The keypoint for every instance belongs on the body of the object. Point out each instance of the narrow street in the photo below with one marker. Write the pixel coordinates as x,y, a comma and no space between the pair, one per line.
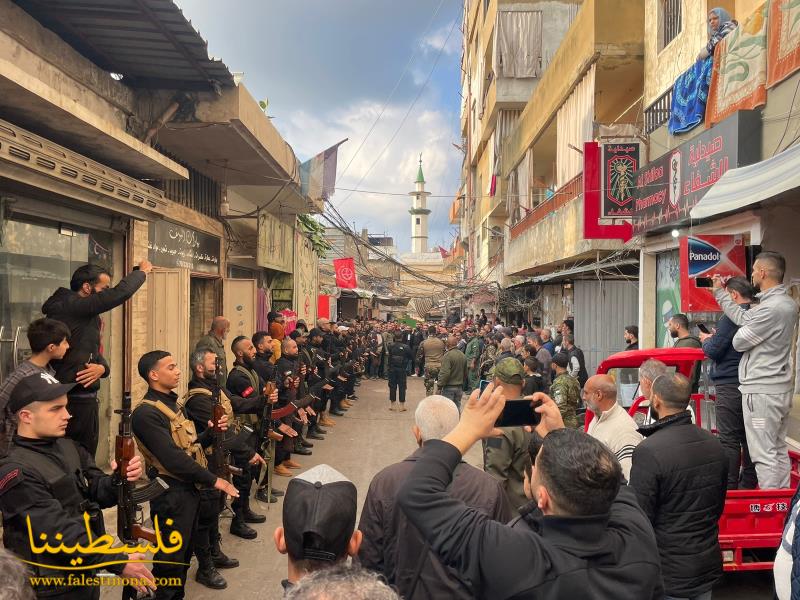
365,440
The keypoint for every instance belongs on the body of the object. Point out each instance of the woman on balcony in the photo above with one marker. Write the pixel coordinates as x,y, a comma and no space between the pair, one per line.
720,24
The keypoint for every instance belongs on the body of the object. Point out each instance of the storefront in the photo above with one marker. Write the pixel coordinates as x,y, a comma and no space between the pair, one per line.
58,211
184,293
668,188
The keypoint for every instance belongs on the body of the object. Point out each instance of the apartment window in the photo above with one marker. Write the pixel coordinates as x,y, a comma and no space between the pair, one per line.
669,16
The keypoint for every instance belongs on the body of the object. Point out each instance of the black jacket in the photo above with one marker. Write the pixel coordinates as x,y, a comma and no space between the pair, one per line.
595,557
582,375
151,427
393,547
399,355
680,476
719,348
82,316
25,492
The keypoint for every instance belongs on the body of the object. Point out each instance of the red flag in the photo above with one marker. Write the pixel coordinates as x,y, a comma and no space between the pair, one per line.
345,272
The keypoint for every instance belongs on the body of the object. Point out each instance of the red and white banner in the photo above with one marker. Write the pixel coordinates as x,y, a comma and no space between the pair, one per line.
345,269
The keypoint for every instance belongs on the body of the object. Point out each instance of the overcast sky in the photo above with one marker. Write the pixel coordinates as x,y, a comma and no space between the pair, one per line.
327,68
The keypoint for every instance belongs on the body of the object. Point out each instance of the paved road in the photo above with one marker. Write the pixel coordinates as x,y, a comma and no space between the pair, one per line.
365,440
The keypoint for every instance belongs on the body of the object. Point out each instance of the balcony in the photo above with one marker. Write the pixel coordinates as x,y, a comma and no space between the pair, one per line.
552,234
605,33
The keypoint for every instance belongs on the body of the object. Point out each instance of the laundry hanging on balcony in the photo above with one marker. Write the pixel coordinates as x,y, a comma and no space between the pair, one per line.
689,97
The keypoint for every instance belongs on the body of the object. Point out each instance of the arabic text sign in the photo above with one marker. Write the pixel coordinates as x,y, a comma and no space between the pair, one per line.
669,187
173,245
102,545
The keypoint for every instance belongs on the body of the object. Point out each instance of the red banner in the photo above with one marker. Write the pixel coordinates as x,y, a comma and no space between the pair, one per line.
703,256
592,228
345,272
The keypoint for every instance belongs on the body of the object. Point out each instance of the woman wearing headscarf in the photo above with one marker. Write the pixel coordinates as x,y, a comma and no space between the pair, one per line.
720,24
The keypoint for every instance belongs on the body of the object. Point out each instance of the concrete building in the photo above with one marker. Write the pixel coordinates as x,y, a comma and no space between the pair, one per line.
507,47
748,180
109,157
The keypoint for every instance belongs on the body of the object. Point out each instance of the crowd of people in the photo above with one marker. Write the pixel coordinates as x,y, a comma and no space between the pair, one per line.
588,503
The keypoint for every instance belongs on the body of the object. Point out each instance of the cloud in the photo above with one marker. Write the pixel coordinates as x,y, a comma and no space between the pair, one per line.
428,129
434,41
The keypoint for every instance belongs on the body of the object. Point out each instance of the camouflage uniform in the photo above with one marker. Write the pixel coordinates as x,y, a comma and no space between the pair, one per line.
566,393
472,353
431,376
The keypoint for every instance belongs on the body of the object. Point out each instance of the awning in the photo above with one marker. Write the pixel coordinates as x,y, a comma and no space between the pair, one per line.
584,269
150,42
357,293
746,186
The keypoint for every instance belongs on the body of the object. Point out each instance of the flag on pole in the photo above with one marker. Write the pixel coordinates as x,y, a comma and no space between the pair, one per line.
345,269
318,175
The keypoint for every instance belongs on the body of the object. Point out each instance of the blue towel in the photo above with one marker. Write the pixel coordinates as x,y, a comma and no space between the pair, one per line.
689,96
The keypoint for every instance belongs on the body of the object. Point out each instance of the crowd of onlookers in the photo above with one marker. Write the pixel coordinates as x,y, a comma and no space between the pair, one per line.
596,506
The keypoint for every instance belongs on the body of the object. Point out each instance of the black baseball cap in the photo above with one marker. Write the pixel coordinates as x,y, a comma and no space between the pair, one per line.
316,332
319,514
41,387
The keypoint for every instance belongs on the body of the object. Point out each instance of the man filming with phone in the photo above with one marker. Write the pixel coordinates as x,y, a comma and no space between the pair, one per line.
591,541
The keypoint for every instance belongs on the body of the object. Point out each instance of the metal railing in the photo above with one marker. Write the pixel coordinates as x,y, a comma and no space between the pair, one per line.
657,113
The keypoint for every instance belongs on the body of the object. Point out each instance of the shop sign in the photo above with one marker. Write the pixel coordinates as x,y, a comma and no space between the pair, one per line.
669,187
171,245
620,162
703,256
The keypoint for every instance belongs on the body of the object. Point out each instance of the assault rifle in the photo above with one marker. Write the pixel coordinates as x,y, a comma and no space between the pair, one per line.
220,460
130,528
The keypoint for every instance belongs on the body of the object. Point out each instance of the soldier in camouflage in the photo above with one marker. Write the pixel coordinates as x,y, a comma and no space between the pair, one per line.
565,390
431,351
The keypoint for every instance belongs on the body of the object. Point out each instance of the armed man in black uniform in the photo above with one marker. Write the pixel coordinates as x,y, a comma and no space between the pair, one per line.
244,381
172,450
399,355
262,363
47,484
290,374
199,406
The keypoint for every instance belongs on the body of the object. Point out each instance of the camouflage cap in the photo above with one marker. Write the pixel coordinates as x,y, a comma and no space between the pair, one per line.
509,370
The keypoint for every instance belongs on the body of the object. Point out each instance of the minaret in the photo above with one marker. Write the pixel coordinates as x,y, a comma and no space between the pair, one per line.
419,214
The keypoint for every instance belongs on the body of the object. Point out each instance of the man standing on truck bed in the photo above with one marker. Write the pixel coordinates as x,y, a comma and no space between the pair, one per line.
766,377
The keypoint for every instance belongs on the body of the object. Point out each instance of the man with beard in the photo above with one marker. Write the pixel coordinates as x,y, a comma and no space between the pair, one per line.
632,337
323,367
79,308
215,340
199,406
262,364
678,327
306,362
243,381
766,374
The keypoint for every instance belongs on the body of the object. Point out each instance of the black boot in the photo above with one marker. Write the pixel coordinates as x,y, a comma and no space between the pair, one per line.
208,575
240,529
222,560
313,435
305,443
252,517
299,449
261,495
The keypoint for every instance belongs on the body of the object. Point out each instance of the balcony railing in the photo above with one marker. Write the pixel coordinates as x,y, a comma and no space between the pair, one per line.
567,192
657,113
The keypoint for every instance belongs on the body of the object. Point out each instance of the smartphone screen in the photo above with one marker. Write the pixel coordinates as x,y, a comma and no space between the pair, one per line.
704,282
518,412
702,327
